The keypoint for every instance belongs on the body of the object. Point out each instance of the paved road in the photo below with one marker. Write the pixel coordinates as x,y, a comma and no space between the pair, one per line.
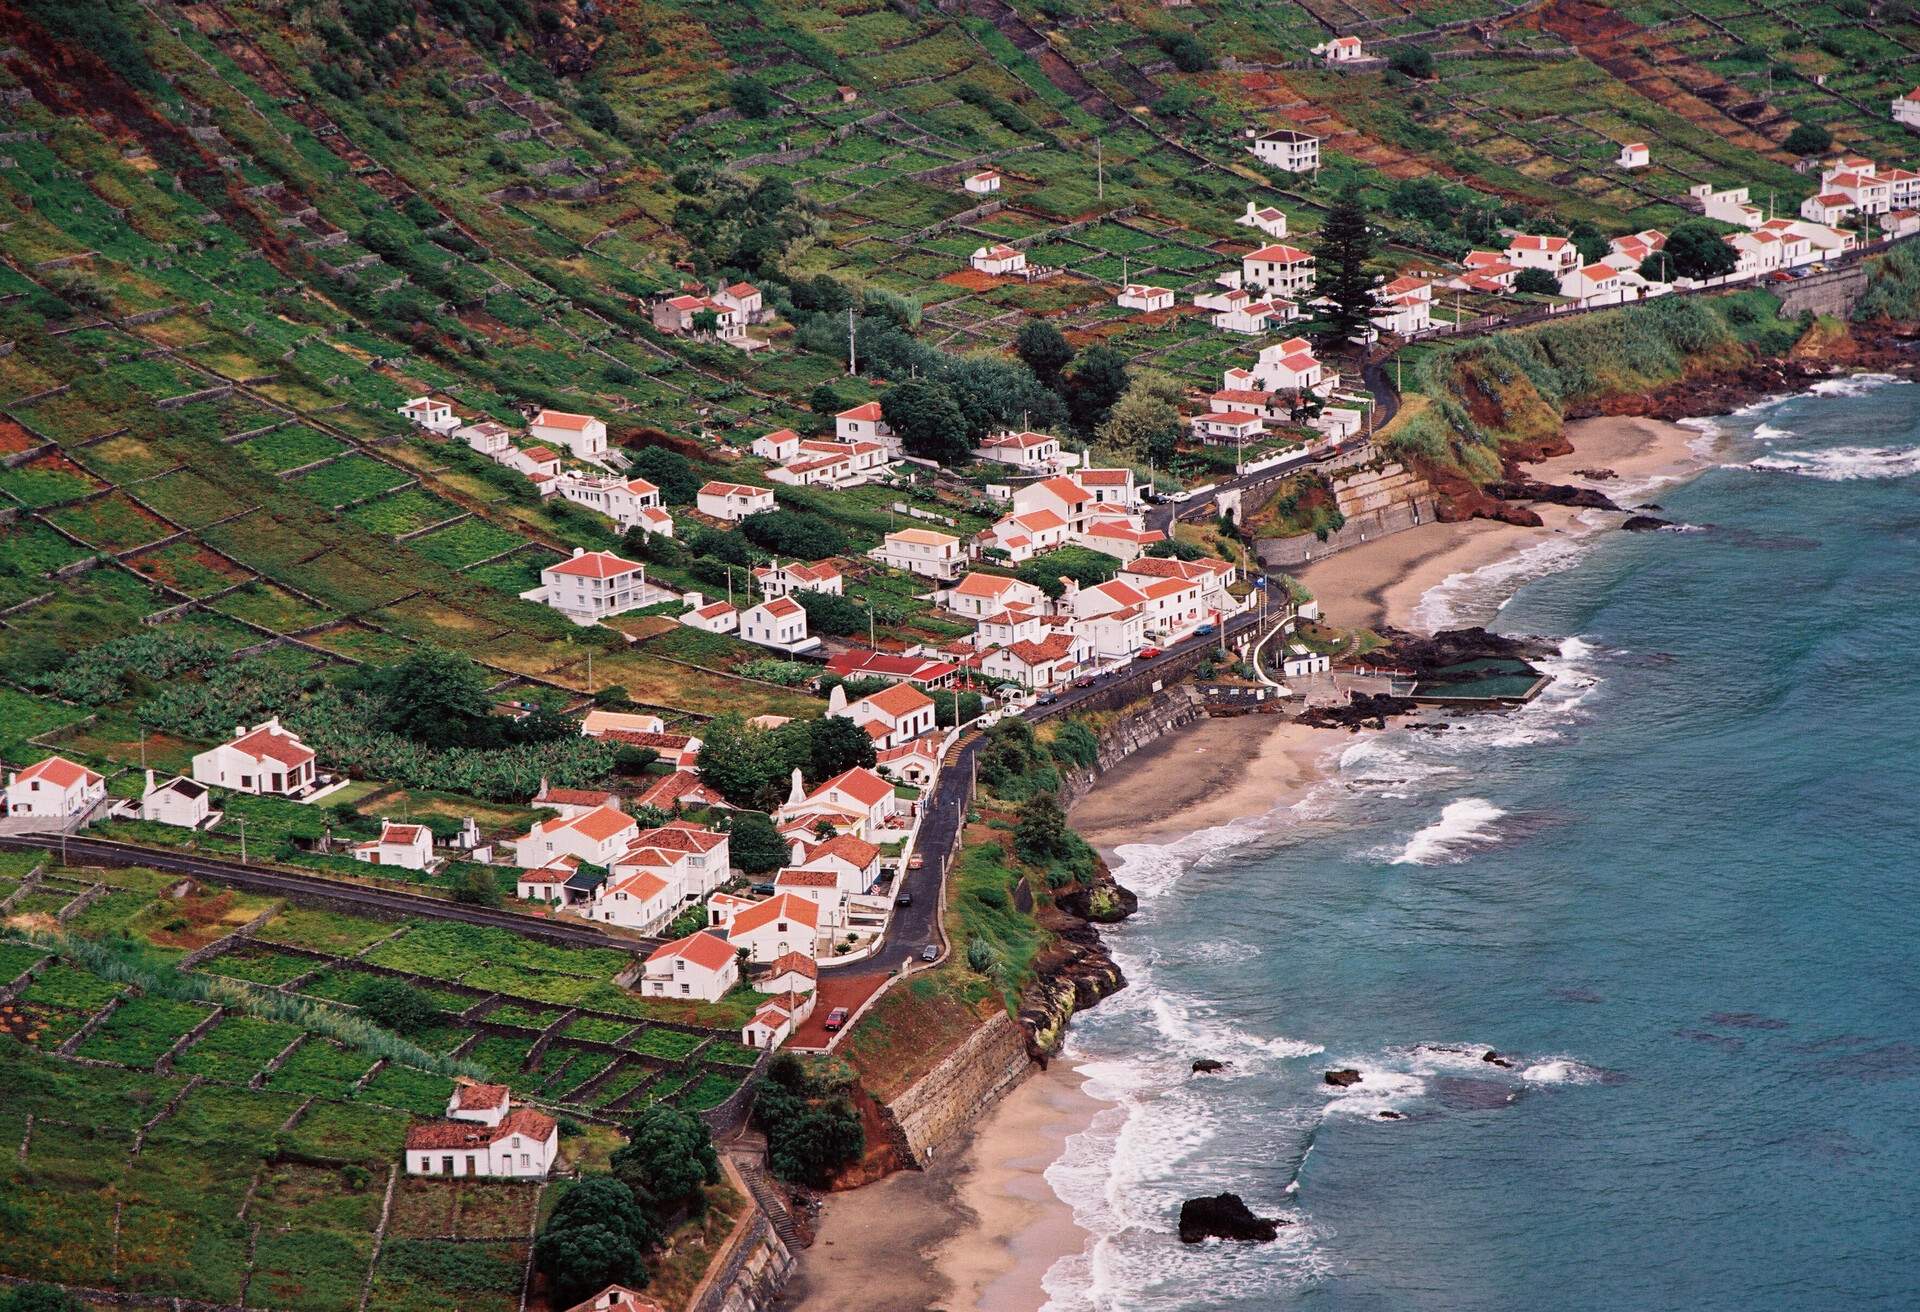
377,901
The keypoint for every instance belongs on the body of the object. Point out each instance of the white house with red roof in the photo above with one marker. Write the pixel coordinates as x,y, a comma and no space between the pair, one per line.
733,501
571,802
1211,576
1116,635
1229,426
983,183
999,259
780,624
776,1019
712,616
913,762
583,435
865,422
820,463
1405,306
595,837
1060,494
865,799
1119,535
484,1135
407,846
793,973
1795,249
681,314
896,714
1628,253
1760,253
779,580
1242,312
1557,255
1633,155
819,887
702,967
265,759
921,671
1050,662
1340,50
1727,204
979,595
618,1298
781,445
682,788
540,463
1280,268
548,883
1828,207
772,929
488,437
1906,110
1859,180
1593,284
600,722
1022,537
1033,452
1267,218
626,501
641,897
1144,296
591,586
430,413
853,863
745,300
54,789
1486,272
1288,366
923,551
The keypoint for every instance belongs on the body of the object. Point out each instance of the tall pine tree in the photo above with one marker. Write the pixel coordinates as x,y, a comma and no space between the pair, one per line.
1340,267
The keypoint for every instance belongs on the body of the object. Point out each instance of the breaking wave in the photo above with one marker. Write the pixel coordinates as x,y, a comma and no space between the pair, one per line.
1465,823
1842,464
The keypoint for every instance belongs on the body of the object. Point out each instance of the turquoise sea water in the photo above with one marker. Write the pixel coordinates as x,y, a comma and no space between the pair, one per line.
1679,892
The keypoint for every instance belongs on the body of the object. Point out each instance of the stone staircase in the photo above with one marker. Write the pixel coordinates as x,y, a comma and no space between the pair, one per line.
747,1157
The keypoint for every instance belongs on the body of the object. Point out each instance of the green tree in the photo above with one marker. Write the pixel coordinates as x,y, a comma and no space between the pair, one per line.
1411,61
1044,349
750,98
1099,379
396,1004
39,1298
1695,250
667,1159
832,615
1808,139
1340,267
735,763
581,1260
754,844
1536,282
835,745
1589,241
599,1199
1041,834
794,533
474,887
952,708
1186,52
667,470
434,698
1145,422
928,421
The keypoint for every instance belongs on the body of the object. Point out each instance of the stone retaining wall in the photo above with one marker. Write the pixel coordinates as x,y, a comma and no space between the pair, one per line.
966,1083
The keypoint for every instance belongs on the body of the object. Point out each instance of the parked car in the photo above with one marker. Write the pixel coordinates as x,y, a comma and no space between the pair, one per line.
1048,698
1149,653
836,1018
917,860
1204,631
906,899
930,953
763,890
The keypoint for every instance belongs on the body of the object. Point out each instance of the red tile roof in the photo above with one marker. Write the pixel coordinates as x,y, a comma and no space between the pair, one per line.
265,744
469,1134
62,773
562,419
596,565
469,1096
704,949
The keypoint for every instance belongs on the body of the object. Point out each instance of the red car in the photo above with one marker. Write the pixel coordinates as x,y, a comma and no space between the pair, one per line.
1149,653
836,1018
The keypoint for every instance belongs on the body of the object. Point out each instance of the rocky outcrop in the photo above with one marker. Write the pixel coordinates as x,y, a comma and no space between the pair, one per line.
1225,1216
1207,1066
1105,901
1645,523
1366,710
1342,1079
1556,494
1425,653
1073,972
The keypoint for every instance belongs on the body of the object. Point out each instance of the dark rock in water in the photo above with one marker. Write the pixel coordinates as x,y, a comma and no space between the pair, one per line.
1493,1058
1650,505
1558,494
1392,1116
1726,1041
1365,711
1342,1079
1747,1020
1207,1065
1644,523
1224,1216
1597,475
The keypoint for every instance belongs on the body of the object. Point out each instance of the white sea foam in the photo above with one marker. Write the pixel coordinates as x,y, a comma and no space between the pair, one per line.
1769,433
1474,596
1843,464
1852,385
1379,1090
1560,1070
1465,822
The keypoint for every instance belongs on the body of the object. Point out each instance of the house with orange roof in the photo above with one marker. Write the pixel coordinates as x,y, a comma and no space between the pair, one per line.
1144,296
793,973
1267,218
914,762
779,580
896,714
641,893
407,846
701,967
780,446
618,1298
1056,660
978,595
1593,284
861,798
712,616
626,501
1060,494
1031,452
540,463
998,259
484,1135
1280,268
54,789
1340,50
769,930
598,723
1115,635
1024,536
1404,306
1557,255
819,887
1228,426
1118,536
746,301
570,802
852,863
591,586
777,1018
733,501
923,551
780,624
683,788
865,422
1633,155
430,413
266,759
1289,366
595,837
583,435
983,183
548,883
489,437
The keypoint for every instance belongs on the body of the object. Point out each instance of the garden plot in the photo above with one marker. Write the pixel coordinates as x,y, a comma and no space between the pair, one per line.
402,512
47,480
292,447
189,567
352,478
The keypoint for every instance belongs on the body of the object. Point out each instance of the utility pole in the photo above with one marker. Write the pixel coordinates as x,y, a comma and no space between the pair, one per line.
243,839
589,671
852,359
1100,168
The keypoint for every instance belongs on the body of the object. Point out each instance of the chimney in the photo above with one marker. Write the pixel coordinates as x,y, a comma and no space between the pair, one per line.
149,787
837,700
579,551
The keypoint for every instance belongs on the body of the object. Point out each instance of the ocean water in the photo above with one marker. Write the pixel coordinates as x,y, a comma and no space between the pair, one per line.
1678,893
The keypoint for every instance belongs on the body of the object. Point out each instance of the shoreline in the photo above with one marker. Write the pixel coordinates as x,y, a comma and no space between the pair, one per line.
986,1216
1382,582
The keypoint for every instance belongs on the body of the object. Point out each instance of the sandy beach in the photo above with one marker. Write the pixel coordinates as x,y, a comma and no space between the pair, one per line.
1381,582
1211,773
975,1232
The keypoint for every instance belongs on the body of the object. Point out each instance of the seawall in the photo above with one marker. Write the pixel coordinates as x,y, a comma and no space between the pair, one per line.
966,1083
